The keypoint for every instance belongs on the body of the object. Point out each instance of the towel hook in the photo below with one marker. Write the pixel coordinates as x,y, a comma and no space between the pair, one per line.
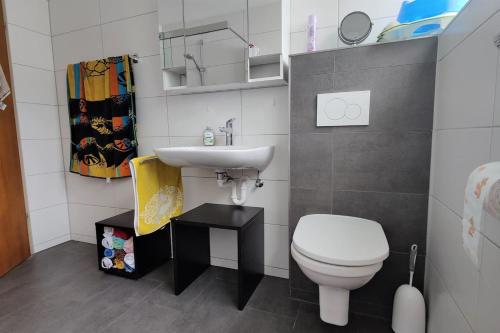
134,57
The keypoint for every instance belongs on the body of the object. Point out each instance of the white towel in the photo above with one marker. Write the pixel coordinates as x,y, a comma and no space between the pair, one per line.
482,193
4,89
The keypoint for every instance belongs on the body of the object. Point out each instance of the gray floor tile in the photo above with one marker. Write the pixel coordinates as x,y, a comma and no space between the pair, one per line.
308,321
61,290
253,320
272,295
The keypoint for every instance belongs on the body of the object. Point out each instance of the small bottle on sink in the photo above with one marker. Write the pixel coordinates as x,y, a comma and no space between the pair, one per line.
208,137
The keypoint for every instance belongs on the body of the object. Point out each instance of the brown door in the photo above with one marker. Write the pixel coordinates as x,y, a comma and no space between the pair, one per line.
14,241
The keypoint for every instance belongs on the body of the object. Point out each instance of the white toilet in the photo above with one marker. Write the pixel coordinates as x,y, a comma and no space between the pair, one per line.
339,253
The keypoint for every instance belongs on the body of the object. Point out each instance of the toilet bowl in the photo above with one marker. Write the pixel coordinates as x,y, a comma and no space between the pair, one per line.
340,254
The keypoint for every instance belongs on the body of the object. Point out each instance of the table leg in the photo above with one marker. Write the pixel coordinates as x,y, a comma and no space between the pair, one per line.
250,259
191,254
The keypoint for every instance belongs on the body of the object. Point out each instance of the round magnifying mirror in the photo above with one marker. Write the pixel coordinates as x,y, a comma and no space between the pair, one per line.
355,28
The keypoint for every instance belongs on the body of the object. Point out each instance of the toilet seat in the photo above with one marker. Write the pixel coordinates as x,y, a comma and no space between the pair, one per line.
340,240
334,270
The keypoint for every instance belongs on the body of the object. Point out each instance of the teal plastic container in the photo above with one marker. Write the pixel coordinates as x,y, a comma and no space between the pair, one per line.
415,10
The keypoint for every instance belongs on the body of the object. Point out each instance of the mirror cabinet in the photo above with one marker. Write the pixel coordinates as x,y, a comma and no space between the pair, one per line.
210,45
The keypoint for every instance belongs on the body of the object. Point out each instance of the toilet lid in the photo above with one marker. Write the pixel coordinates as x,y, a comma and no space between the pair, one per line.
341,240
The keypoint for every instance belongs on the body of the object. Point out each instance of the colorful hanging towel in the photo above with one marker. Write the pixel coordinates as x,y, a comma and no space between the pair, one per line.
101,102
482,194
158,194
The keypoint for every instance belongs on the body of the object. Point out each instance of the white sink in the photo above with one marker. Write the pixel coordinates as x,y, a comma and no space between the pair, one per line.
217,157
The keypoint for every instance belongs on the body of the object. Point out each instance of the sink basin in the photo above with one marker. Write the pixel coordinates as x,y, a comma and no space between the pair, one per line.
217,157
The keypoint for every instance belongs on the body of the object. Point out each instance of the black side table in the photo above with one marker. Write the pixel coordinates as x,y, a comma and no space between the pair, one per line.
191,243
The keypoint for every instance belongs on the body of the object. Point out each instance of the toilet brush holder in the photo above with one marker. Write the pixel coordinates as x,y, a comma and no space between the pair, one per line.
408,314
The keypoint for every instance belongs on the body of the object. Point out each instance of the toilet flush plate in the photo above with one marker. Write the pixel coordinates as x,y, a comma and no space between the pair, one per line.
343,109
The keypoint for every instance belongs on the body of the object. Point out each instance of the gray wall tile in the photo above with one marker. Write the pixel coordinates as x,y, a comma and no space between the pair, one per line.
402,97
303,102
311,64
380,171
386,55
306,202
382,161
403,216
313,153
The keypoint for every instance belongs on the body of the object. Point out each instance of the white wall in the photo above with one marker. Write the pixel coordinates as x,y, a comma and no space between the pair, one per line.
462,297
330,13
38,121
90,29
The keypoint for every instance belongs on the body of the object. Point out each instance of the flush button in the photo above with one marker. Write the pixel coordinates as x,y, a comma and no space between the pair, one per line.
343,109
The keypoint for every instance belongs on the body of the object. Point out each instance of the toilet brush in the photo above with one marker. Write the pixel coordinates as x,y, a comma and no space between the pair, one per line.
408,313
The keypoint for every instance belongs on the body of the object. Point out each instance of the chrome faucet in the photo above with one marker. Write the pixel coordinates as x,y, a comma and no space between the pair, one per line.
229,131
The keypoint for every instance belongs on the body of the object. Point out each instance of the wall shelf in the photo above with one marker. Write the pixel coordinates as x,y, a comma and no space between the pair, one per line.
268,82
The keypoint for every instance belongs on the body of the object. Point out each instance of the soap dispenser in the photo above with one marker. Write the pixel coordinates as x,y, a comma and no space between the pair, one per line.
208,137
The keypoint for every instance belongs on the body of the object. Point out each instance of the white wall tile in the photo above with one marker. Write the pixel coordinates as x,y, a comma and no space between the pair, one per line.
446,252
266,17
265,111
279,167
84,217
49,223
327,38
374,9
89,191
70,15
325,10
42,156
444,315
30,48
276,272
77,46
62,88
226,263
276,246
37,121
123,193
495,145
138,34
45,190
148,77
112,10
66,149
496,118
34,85
147,144
198,191
273,196
223,244
31,14
456,154
489,292
64,121
152,117
469,75
189,115
472,16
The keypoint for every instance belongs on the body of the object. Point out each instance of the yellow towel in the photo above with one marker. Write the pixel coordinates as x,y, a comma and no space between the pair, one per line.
157,192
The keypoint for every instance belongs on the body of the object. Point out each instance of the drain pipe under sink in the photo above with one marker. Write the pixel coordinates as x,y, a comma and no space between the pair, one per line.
243,192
